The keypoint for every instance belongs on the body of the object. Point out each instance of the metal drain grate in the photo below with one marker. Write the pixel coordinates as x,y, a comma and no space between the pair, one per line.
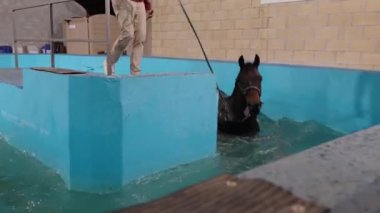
230,194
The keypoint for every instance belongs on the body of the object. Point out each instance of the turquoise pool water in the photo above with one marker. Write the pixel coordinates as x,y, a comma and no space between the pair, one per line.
311,97
28,186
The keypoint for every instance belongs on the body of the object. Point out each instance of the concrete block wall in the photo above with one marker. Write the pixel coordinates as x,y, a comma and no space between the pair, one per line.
337,33
34,23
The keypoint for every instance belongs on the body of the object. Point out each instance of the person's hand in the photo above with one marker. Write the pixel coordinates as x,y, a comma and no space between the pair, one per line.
149,14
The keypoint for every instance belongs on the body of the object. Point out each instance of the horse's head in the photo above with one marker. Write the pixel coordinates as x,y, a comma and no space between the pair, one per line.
248,82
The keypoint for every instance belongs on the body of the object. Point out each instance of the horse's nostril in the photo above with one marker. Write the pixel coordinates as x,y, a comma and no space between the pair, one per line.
254,104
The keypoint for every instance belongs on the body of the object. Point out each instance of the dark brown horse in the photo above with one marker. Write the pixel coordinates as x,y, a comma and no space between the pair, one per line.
238,112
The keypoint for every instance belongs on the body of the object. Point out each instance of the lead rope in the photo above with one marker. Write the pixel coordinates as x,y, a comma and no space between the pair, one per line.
204,53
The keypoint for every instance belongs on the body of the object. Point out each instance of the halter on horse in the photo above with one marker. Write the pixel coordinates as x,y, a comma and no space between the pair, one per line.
238,112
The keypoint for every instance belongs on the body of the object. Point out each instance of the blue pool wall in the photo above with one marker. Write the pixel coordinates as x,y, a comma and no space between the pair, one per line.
343,99
101,132
36,119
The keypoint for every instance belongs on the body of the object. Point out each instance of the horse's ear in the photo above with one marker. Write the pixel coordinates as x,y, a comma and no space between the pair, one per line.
241,61
256,63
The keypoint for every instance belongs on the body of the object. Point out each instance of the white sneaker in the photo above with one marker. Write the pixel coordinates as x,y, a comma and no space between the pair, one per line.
105,68
134,70
135,73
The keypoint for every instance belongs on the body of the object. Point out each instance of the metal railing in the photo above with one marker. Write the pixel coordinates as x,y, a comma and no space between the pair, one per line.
16,40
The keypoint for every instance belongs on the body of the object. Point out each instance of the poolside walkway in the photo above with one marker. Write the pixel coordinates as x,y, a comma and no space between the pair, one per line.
343,174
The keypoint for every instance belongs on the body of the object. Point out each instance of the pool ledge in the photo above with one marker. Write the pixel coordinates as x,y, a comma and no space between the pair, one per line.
99,133
343,174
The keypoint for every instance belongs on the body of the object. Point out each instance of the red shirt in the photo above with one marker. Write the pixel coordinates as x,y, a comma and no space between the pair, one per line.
148,5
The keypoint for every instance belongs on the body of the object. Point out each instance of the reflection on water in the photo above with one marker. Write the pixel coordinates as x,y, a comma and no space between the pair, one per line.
28,186
277,139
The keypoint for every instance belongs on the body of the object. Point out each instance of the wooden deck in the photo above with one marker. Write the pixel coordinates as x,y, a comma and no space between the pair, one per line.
230,194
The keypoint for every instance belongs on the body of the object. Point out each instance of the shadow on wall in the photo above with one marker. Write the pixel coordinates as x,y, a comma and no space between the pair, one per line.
367,93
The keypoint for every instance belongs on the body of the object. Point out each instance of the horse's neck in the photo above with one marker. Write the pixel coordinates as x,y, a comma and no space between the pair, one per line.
237,102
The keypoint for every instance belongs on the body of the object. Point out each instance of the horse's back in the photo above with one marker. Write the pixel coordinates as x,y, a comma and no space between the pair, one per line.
222,96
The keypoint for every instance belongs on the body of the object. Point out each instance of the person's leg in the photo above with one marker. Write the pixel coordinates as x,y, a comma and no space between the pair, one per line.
124,10
140,35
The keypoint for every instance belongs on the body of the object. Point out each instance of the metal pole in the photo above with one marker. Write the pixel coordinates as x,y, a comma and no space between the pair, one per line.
15,39
108,36
52,59
203,51
41,5
196,35
59,39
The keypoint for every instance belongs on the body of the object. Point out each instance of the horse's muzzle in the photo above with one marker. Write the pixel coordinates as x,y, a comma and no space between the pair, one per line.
255,109
253,97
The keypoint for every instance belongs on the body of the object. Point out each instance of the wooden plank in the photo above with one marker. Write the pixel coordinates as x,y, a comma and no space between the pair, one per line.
227,193
57,70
